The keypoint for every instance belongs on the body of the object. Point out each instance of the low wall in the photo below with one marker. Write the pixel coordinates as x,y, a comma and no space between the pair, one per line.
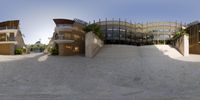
92,44
182,45
7,49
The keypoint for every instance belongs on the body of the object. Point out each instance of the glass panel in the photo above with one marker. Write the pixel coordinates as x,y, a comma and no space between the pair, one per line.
12,37
199,35
199,32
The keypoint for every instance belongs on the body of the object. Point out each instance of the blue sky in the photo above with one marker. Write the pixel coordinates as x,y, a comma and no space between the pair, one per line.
36,15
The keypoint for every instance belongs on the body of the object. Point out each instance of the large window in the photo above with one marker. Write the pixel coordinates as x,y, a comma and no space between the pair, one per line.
199,35
68,36
12,37
109,34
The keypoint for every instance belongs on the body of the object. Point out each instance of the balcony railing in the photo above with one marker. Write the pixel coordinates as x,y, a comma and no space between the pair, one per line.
8,27
63,27
63,39
4,38
59,37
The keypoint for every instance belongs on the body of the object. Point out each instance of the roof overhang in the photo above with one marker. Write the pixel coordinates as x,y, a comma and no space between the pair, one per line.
9,23
63,21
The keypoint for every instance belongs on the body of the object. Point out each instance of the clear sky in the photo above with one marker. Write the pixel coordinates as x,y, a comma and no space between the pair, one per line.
36,15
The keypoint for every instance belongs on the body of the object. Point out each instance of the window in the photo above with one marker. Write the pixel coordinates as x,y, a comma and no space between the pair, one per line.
2,36
76,37
199,35
76,49
68,47
56,36
60,37
67,36
12,37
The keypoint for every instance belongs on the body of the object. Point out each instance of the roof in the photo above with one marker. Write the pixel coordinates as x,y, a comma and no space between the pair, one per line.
63,21
193,23
10,23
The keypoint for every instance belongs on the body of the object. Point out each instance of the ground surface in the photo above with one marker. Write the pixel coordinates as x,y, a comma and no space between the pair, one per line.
116,73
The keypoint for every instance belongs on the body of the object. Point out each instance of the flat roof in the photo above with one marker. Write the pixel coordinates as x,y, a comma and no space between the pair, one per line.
10,23
63,21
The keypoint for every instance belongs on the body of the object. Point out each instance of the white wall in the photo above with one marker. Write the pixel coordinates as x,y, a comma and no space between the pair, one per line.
92,44
182,45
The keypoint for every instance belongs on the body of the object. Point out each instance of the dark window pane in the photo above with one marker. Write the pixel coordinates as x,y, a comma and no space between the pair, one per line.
12,37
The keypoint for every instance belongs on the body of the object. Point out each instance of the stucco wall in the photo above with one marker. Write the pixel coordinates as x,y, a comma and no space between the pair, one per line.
182,45
20,41
92,44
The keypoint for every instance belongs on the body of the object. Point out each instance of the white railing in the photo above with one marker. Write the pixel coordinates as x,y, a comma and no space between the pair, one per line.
59,37
8,27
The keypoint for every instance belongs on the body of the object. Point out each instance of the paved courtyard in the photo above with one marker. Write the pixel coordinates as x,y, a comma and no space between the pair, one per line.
118,72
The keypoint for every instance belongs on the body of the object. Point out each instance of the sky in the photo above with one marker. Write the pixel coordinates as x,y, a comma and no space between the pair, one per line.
36,15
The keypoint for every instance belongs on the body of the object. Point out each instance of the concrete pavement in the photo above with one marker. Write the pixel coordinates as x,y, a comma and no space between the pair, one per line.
118,72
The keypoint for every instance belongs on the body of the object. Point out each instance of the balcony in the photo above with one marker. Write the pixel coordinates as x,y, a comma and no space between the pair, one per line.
59,37
62,39
5,38
63,27
8,27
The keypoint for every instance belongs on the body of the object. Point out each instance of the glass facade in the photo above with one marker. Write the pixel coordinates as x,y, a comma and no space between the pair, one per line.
117,31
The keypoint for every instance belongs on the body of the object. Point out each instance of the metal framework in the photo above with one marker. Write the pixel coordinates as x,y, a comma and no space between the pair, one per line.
123,32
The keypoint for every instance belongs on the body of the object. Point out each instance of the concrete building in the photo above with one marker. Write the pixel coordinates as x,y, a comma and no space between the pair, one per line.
10,37
69,37
193,30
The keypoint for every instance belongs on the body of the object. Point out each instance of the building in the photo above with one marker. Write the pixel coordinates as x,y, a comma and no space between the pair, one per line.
10,37
193,30
69,37
123,32
38,47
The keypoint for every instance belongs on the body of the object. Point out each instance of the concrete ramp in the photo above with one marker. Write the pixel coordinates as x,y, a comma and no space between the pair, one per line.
138,51
152,68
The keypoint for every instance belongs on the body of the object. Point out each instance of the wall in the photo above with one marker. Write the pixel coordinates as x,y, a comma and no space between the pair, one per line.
182,45
19,39
194,38
92,44
7,49
195,49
